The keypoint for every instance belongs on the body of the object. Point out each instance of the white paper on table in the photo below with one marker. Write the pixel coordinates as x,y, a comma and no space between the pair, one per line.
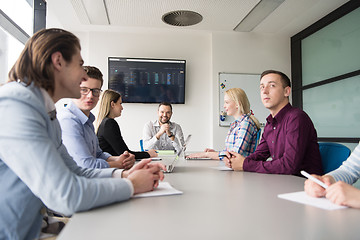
163,189
302,197
223,168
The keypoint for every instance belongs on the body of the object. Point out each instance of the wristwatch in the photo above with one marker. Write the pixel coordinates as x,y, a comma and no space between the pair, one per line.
171,135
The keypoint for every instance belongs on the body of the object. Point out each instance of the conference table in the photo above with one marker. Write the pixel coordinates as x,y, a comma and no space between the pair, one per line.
216,205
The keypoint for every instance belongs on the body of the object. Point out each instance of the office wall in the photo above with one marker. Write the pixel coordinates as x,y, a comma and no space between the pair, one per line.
194,115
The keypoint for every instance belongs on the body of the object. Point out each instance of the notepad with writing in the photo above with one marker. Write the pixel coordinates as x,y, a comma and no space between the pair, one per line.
163,189
302,197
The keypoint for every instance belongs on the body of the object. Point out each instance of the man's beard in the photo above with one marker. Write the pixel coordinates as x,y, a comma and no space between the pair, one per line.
167,121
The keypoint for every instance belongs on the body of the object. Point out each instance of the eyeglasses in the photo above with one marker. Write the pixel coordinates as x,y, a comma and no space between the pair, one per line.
95,91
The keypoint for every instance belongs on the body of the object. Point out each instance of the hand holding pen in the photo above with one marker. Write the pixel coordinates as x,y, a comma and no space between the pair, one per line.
225,157
316,185
339,192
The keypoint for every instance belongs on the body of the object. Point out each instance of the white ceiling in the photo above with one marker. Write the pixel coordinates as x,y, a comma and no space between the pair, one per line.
289,18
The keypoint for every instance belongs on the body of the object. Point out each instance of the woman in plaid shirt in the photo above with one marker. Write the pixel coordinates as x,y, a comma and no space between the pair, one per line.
241,137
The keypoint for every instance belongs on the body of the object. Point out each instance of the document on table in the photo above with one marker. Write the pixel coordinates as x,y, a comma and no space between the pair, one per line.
222,167
163,189
302,197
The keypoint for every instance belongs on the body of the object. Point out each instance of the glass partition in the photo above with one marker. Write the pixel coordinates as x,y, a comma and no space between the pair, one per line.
333,50
326,73
335,108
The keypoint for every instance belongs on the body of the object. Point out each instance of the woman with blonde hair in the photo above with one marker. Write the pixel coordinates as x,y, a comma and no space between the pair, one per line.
241,137
108,131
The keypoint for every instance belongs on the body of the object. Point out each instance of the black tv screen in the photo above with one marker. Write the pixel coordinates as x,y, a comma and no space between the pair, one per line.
144,80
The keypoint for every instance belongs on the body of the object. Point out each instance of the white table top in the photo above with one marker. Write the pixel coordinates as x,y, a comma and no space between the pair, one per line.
216,205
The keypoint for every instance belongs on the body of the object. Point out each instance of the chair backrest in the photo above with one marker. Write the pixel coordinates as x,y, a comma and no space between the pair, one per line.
258,135
333,155
141,145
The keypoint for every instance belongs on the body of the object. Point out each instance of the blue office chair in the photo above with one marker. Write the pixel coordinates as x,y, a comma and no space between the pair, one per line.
258,135
141,145
332,155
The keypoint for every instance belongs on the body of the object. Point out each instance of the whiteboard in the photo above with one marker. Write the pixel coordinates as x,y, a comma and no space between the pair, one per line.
250,83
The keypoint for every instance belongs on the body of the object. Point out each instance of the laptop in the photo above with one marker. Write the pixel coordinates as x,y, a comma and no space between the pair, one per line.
197,158
170,167
187,158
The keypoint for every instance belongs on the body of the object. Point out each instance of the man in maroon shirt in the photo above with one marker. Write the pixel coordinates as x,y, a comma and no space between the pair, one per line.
289,136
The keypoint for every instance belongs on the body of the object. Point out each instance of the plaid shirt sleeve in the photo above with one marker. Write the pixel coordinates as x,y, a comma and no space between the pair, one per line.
240,137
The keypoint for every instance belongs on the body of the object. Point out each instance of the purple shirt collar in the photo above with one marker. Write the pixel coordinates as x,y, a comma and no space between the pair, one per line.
280,115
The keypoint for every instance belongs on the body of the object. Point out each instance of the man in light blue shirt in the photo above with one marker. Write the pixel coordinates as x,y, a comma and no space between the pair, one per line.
78,134
36,171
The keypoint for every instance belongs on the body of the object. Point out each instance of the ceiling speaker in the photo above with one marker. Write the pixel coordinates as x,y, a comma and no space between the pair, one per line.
182,18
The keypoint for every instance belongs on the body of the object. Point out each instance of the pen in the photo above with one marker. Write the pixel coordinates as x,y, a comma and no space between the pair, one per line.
221,156
314,179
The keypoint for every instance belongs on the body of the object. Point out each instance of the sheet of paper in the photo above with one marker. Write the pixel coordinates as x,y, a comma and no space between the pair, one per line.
163,189
302,197
223,168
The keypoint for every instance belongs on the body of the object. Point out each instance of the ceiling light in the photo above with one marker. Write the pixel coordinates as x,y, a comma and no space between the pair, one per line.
97,12
263,9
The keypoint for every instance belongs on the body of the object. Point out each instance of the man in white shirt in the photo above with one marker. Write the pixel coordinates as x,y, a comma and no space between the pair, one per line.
162,134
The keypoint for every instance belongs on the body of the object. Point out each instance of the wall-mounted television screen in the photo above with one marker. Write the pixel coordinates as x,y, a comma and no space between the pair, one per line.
144,80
